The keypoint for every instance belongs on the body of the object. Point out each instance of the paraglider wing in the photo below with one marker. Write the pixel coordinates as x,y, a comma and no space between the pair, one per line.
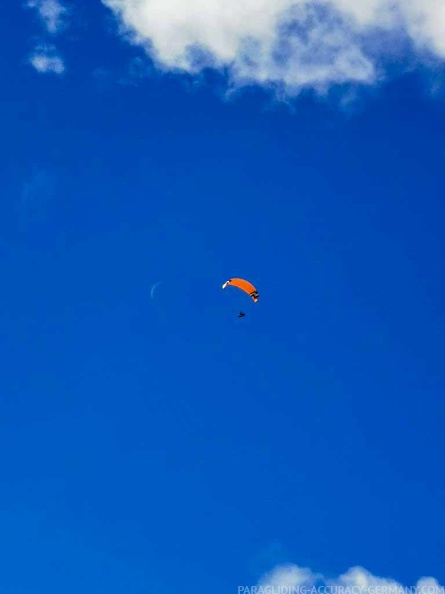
244,286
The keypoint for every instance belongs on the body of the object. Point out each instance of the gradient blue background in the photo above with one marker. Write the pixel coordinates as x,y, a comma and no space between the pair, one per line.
162,444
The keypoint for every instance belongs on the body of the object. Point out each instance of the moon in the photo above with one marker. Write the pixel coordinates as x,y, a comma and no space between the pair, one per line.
153,289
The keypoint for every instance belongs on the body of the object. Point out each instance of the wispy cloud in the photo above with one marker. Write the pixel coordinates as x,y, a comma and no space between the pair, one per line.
45,59
52,14
291,44
286,579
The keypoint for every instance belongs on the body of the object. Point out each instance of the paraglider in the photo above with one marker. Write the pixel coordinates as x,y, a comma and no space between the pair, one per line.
245,286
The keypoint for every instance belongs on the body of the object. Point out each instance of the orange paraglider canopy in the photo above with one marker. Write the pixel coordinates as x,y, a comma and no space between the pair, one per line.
244,286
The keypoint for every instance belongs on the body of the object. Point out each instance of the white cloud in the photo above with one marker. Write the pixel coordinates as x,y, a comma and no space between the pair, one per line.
294,44
287,579
52,13
46,60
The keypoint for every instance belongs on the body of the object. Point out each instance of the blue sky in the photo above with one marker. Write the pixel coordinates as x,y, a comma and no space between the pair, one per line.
154,442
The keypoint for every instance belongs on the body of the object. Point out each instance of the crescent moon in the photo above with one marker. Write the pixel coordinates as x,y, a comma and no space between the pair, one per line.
153,289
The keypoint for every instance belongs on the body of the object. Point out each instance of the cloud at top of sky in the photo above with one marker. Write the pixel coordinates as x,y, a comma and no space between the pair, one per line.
52,14
294,44
289,579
